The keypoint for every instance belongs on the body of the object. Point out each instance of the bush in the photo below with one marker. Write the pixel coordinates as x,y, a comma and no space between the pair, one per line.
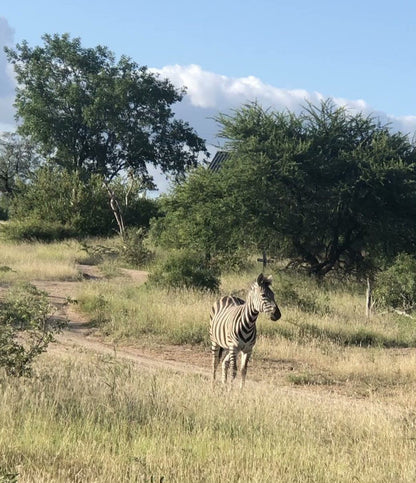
133,250
396,286
34,229
301,291
4,208
26,328
186,270
63,198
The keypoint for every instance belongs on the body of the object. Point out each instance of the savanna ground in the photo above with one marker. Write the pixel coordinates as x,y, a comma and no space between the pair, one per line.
125,395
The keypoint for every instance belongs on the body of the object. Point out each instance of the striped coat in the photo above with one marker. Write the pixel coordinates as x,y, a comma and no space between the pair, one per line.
233,327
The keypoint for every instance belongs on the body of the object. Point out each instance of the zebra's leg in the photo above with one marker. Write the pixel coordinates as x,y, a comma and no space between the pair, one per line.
216,357
225,366
233,362
245,357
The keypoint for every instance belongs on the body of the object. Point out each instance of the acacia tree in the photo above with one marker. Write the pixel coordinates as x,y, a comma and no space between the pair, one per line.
325,188
336,186
91,114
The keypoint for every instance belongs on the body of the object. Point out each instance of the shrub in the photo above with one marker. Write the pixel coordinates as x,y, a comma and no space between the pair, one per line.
133,250
186,270
58,196
396,286
4,208
26,328
35,229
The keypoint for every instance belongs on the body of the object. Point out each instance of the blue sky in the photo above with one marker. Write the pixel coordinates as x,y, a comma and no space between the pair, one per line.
360,52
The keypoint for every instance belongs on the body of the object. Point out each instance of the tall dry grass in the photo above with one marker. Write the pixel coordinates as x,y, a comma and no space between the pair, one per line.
323,338
39,261
330,395
124,310
97,419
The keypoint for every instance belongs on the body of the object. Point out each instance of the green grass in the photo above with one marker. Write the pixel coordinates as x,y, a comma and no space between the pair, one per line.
97,419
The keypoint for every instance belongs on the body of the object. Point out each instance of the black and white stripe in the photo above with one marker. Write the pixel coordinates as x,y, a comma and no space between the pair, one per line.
233,326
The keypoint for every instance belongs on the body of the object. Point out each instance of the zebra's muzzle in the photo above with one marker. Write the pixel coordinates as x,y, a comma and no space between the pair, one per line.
275,315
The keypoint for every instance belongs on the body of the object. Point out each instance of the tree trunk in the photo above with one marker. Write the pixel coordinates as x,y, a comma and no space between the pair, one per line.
118,215
368,299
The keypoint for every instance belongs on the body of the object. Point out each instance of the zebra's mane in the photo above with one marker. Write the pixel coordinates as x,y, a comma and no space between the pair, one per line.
262,281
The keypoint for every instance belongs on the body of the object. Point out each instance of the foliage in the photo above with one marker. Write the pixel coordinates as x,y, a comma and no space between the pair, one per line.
334,183
396,286
326,188
4,208
94,116
137,210
91,113
26,328
199,216
18,160
298,290
131,250
185,269
134,251
59,197
36,229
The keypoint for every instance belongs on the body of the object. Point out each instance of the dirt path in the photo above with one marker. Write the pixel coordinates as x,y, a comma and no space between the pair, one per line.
185,359
79,334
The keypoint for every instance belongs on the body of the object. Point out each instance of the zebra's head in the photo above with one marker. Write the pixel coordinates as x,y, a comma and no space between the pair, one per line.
263,297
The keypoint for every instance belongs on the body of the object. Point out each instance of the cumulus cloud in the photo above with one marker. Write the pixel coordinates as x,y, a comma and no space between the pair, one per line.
7,81
209,93
208,90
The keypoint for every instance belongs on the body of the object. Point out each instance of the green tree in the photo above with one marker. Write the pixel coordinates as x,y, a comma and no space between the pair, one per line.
201,217
326,188
94,115
58,196
60,203
18,160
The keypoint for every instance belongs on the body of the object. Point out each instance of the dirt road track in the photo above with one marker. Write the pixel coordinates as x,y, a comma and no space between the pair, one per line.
80,334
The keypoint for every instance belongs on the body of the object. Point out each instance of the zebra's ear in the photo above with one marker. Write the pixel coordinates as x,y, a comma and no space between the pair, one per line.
262,280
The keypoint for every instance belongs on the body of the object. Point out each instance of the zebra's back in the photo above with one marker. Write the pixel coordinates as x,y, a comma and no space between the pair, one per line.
223,303
224,313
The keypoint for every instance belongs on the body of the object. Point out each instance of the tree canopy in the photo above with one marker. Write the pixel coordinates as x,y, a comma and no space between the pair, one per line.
90,113
327,188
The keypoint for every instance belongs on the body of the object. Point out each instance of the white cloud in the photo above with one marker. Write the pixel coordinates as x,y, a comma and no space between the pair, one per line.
208,90
7,80
209,93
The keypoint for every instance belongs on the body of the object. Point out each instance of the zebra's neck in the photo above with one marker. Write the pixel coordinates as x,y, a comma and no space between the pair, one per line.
249,314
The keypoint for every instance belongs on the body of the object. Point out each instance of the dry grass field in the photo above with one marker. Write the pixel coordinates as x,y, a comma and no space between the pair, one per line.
329,397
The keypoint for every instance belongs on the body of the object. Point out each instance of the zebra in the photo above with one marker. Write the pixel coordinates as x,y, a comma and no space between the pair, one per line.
233,327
